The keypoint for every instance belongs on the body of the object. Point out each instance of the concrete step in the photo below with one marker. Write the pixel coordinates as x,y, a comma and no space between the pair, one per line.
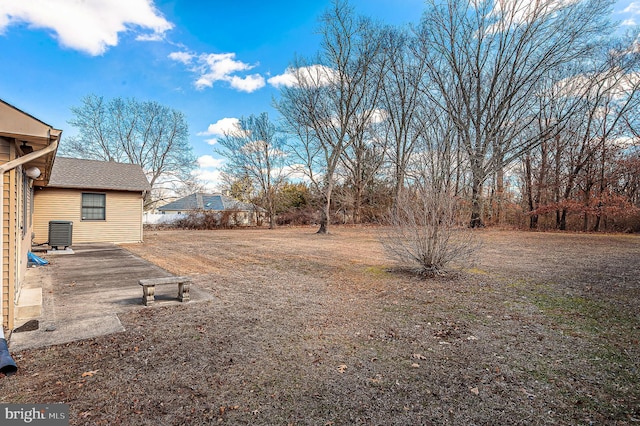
29,305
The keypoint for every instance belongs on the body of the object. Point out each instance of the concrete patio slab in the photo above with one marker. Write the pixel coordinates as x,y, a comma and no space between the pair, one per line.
29,304
83,293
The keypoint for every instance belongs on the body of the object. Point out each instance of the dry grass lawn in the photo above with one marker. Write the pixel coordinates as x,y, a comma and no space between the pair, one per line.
313,329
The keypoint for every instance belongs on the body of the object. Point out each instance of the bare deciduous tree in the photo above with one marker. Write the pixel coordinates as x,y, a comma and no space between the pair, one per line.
255,151
362,160
401,100
333,99
126,130
606,93
485,62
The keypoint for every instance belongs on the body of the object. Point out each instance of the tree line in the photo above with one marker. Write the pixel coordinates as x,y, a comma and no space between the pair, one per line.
524,113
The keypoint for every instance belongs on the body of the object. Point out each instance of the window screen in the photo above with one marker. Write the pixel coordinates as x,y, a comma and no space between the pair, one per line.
93,206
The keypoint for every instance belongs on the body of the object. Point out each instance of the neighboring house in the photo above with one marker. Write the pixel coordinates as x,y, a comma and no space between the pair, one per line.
103,199
27,152
244,213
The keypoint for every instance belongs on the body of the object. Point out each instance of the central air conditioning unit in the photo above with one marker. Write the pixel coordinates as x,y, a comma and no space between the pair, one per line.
60,232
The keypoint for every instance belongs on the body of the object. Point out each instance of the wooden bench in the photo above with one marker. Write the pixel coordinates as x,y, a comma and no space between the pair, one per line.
149,288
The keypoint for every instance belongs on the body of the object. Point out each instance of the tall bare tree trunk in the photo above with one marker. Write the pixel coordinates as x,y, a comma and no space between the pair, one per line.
499,196
476,204
528,181
326,208
272,208
357,205
562,219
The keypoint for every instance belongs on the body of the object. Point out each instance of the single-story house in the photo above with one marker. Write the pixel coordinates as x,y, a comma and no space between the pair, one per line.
246,214
103,200
27,152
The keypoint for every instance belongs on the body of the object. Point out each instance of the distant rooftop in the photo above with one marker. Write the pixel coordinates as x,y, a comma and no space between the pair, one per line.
202,201
99,175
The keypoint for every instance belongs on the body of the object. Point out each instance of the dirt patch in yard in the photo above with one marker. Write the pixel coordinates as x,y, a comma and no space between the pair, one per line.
315,329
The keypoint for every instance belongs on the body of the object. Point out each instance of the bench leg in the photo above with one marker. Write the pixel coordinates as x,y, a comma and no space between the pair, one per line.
183,292
148,293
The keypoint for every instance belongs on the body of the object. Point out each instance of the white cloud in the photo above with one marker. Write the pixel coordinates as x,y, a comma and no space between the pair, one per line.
210,178
218,67
247,84
183,57
222,127
208,161
208,172
296,173
213,67
628,22
514,12
288,79
90,26
634,7
378,116
211,141
616,86
624,142
312,75
150,37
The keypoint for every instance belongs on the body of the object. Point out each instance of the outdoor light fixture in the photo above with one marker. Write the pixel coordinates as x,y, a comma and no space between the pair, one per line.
33,172
26,149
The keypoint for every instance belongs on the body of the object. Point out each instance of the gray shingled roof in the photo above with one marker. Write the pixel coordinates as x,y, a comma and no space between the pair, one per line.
93,174
201,201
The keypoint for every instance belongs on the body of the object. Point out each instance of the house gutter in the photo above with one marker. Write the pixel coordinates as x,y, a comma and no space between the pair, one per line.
7,365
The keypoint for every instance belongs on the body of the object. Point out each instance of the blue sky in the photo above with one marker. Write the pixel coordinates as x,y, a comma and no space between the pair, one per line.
211,59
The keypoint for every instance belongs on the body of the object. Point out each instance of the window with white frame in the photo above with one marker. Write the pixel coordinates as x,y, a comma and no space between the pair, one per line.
94,206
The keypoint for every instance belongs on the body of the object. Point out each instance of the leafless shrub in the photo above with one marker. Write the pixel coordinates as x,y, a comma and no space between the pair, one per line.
300,216
207,219
228,219
425,234
197,220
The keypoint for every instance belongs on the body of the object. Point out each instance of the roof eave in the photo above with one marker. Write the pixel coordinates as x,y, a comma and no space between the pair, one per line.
90,188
